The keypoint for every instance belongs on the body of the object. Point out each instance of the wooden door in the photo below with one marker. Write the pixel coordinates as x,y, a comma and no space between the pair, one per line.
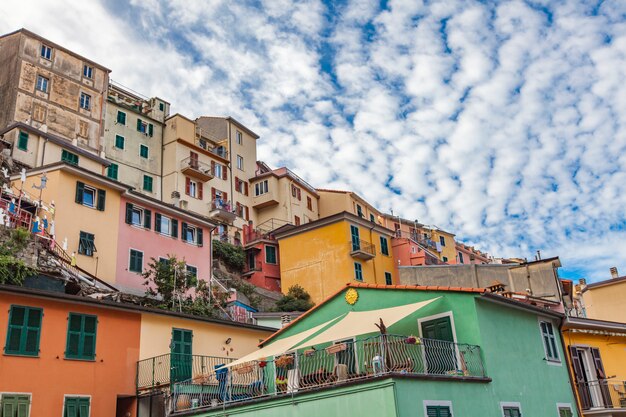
439,346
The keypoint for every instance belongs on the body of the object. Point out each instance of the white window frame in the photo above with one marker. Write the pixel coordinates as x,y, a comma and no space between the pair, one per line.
169,225
511,405
239,136
95,196
193,188
261,188
85,101
48,50
455,340
142,258
437,403
552,362
89,70
559,406
218,170
141,216
79,396
240,162
44,84
356,354
30,398
193,241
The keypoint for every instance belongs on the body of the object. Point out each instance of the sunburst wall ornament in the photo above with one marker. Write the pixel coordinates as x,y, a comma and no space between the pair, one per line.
352,296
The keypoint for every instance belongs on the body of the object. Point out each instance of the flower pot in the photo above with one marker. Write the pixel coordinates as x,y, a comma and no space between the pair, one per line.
339,347
242,370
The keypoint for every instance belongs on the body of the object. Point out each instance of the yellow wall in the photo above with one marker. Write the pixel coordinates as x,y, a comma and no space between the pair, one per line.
449,251
208,338
72,218
279,189
333,202
607,302
612,350
319,260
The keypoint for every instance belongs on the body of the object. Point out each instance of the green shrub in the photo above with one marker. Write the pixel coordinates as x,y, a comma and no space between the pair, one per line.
233,256
297,299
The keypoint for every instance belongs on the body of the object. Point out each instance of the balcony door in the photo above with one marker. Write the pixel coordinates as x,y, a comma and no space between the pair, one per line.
181,359
590,377
356,241
439,346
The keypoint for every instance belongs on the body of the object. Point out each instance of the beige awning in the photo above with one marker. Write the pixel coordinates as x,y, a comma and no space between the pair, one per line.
281,345
356,323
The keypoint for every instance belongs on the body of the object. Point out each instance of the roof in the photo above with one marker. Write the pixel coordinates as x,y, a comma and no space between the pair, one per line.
378,287
54,45
286,172
593,324
606,282
58,140
289,230
122,306
233,121
352,193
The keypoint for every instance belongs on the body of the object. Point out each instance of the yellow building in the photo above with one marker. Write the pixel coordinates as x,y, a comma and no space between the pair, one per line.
596,353
324,255
335,201
604,300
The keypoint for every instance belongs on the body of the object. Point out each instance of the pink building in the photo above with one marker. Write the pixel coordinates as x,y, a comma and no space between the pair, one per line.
152,229
469,255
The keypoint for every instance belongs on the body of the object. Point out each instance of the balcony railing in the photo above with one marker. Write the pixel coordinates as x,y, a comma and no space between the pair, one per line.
337,364
362,249
197,169
208,146
161,371
598,395
222,210
225,238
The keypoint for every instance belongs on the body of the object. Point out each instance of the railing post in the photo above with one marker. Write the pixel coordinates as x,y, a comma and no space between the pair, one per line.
153,359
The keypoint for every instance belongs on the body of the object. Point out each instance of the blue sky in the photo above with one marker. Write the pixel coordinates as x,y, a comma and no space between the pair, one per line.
502,122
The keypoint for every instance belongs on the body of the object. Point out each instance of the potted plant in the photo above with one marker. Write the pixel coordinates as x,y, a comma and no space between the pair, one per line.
412,340
338,347
284,361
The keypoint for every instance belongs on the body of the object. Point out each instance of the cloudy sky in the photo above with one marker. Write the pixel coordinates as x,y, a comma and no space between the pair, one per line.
502,122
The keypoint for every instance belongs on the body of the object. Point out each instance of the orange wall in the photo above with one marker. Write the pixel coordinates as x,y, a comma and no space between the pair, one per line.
49,377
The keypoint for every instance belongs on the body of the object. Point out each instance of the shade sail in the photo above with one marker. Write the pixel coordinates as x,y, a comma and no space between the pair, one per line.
356,323
281,345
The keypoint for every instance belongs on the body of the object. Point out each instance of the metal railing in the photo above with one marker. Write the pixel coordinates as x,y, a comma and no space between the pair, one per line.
602,394
338,363
362,246
203,141
194,163
226,238
161,371
219,204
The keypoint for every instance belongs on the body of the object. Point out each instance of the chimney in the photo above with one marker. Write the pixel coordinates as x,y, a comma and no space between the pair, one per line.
614,273
582,281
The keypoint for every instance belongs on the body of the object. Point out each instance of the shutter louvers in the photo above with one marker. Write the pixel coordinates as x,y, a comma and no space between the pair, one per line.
129,213
200,190
139,123
101,199
157,222
174,228
187,185
80,188
200,239
147,218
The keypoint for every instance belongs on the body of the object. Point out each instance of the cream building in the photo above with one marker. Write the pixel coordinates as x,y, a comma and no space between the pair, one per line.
335,201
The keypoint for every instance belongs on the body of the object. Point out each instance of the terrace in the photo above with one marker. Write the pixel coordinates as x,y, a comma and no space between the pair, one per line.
336,364
602,397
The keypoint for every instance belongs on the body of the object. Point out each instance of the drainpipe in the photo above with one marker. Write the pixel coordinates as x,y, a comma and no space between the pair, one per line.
162,152
43,152
374,260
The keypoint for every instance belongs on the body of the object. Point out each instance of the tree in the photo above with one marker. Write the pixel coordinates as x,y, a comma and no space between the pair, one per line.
297,299
13,270
175,288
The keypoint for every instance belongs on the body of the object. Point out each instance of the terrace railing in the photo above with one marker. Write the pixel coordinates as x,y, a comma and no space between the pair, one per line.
605,394
336,364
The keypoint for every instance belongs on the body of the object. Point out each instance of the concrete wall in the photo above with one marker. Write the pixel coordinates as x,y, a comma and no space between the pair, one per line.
9,77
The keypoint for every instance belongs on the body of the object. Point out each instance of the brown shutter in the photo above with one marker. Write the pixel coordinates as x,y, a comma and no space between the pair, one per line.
583,389
187,185
247,213
200,190
225,197
604,387
213,168
245,186
237,183
224,175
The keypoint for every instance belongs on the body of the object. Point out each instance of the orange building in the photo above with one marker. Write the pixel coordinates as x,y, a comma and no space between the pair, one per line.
66,355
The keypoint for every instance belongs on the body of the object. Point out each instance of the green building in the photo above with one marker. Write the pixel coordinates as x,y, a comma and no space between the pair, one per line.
441,352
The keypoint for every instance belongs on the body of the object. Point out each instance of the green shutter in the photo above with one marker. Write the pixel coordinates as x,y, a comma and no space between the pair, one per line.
80,189
121,117
129,213
174,228
147,183
358,271
14,405
139,123
356,242
112,171
388,279
199,232
23,331
438,411
147,218
81,336
101,199
157,222
119,142
150,129
136,261
183,231
384,248
143,151
22,142
76,407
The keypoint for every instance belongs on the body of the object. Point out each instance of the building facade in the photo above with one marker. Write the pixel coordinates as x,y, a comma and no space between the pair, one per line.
604,300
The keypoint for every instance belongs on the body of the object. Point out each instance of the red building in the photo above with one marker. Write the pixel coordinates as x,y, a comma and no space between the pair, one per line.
262,258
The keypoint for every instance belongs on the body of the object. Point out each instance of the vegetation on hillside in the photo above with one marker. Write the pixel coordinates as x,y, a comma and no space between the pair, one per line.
13,270
233,256
296,299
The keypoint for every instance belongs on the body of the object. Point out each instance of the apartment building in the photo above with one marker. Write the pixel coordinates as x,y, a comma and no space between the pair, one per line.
336,201
470,255
56,92
133,138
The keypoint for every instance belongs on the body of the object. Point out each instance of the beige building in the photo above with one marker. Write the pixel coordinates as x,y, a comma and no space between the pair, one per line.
207,166
133,138
336,201
604,300
53,90
280,197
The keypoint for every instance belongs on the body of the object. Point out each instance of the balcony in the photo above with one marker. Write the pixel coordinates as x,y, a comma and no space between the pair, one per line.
267,199
602,397
161,371
362,250
222,211
194,168
204,142
338,364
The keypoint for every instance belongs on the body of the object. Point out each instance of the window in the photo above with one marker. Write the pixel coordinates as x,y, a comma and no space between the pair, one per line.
85,101
241,186
511,409
76,407
218,171
270,254
119,141
444,258
239,138
260,188
121,118
565,410
372,218
87,71
42,84
442,240
87,196
192,188
296,220
135,263
22,141
147,183
549,341
356,241
165,225
15,405
81,336
309,203
438,411
142,126
384,246
359,211
112,171
388,279
86,244
192,234
358,271
161,106
138,216
239,162
46,52
23,331
296,192
69,157
143,151
461,258
192,275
